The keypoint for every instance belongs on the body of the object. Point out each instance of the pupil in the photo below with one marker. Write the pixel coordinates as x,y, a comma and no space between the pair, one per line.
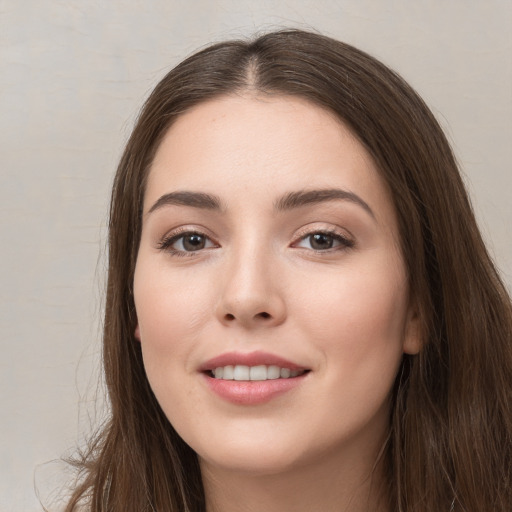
193,242
321,241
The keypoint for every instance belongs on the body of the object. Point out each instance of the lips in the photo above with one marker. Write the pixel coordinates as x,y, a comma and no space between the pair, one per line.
249,359
250,379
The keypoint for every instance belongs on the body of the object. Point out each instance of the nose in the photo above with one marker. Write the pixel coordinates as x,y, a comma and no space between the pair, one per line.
251,294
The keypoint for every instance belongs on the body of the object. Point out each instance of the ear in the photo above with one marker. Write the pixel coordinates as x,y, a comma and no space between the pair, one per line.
137,332
412,333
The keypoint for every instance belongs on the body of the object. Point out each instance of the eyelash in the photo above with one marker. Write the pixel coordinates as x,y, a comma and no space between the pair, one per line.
344,241
167,242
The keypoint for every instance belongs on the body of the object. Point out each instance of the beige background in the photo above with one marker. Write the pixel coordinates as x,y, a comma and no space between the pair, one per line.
72,77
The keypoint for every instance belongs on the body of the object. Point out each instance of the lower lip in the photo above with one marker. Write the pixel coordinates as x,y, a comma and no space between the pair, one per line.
243,392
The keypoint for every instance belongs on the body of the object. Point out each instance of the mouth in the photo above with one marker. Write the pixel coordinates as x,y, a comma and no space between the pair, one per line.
252,378
253,366
254,373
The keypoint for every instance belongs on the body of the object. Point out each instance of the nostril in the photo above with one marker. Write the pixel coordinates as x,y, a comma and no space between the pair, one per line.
263,315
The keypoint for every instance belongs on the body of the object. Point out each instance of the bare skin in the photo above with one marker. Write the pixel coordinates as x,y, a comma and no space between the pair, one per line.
306,489
268,230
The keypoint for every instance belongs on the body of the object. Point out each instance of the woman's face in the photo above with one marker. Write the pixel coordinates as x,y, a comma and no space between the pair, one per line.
270,251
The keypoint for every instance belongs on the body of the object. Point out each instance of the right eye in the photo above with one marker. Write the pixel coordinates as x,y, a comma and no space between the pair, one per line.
186,242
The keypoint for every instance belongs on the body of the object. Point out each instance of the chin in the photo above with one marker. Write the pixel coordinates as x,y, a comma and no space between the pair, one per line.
263,449
254,460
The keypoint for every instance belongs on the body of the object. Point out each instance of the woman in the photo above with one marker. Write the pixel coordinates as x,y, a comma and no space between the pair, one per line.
301,313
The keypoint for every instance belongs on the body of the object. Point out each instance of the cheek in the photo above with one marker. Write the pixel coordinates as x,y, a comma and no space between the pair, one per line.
170,312
358,327
168,302
170,322
358,320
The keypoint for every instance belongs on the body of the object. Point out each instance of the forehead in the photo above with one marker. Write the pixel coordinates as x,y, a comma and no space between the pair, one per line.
260,147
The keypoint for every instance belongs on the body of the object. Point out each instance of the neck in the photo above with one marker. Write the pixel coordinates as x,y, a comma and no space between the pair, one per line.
358,485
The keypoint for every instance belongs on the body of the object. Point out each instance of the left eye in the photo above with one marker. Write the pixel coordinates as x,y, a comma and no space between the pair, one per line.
321,241
188,242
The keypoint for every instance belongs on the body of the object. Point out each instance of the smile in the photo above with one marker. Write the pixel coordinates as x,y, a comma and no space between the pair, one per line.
254,373
252,378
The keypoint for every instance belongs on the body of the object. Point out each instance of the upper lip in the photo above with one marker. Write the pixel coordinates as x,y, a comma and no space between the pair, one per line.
249,359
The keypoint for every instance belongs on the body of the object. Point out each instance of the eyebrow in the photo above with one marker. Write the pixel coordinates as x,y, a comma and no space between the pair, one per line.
301,198
186,198
287,202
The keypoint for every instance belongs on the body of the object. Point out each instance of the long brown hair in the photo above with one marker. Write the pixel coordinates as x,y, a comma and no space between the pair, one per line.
450,441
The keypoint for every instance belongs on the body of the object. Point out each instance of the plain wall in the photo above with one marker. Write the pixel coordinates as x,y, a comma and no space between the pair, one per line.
73,75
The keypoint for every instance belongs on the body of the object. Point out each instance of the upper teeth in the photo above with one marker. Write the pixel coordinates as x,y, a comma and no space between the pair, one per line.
261,372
